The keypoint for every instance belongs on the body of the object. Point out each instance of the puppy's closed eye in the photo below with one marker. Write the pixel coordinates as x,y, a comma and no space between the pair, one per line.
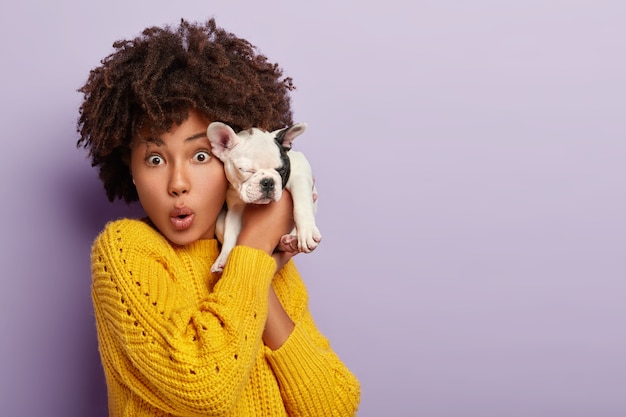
246,170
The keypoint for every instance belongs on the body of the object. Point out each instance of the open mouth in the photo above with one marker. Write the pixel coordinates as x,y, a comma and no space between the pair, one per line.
182,218
183,221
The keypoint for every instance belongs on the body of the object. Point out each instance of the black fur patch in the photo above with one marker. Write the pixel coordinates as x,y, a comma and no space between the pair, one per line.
285,169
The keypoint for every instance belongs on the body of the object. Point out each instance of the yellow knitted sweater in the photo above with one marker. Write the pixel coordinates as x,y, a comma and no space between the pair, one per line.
176,340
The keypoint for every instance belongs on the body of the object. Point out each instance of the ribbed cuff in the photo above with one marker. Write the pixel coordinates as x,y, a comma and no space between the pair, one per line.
300,368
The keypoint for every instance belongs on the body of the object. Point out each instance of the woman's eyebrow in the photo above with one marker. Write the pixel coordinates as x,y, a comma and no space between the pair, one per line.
158,141
196,136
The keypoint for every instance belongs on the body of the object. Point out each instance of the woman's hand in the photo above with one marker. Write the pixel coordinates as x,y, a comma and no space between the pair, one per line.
264,224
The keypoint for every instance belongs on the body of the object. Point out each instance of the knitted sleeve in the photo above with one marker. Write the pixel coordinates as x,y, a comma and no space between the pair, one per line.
181,357
313,380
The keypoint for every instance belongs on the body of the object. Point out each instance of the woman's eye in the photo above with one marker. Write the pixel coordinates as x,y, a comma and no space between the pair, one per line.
155,160
202,156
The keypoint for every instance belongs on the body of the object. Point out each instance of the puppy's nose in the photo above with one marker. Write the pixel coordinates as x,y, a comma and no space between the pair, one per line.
267,184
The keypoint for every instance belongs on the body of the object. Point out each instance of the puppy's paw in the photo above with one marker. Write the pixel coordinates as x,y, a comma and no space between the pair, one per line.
308,239
218,265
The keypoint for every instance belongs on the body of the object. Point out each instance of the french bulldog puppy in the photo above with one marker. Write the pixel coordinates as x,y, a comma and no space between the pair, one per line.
258,165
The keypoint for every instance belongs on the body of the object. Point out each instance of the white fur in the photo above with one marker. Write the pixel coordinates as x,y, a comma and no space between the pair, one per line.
250,158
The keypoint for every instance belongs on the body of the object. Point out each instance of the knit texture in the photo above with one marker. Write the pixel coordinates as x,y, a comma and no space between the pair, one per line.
176,340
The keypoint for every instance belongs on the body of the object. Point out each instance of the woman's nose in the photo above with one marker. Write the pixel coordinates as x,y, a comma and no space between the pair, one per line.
179,182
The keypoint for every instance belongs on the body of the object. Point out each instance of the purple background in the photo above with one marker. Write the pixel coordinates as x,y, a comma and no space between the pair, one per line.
470,157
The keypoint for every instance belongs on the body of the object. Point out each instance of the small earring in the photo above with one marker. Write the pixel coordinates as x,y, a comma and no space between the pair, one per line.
134,182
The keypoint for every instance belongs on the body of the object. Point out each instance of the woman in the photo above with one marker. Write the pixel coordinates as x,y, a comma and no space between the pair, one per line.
174,339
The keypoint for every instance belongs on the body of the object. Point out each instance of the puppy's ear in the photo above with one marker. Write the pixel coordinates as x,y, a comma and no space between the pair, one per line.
222,138
285,136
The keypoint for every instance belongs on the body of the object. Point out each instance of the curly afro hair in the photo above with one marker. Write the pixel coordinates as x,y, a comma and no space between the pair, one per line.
159,76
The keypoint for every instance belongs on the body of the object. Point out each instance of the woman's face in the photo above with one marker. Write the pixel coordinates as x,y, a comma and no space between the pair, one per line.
181,185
